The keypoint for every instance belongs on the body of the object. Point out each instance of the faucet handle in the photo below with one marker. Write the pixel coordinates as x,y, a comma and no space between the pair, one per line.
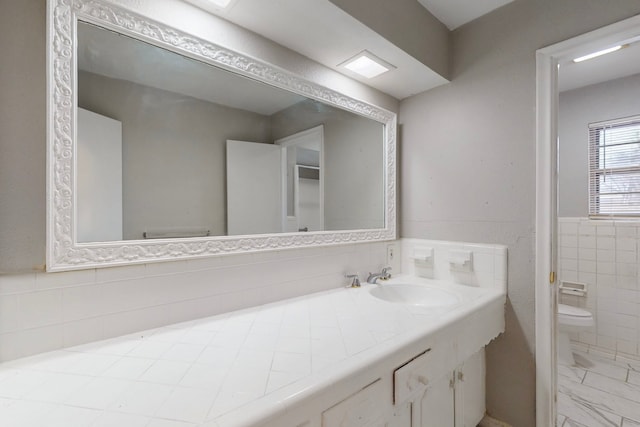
355,283
385,273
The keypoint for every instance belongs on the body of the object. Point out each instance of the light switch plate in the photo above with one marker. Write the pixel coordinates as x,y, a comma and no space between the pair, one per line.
391,254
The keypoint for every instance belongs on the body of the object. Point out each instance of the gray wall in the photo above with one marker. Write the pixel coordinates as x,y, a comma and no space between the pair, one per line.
467,164
354,155
604,101
174,174
22,135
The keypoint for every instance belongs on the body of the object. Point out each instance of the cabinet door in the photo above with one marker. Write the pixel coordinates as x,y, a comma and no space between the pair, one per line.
402,415
436,407
470,391
362,409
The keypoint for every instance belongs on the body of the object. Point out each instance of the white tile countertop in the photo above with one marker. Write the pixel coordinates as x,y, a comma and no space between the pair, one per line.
232,369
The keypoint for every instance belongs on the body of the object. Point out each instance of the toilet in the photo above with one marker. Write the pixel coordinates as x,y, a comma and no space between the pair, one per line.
570,319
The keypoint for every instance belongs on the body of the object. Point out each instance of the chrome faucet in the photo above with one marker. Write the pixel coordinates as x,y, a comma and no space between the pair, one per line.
355,280
383,275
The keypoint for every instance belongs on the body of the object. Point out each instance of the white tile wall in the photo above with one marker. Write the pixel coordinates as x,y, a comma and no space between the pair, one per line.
604,255
46,311
489,262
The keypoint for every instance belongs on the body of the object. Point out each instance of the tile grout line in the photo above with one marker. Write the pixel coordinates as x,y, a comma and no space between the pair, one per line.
568,421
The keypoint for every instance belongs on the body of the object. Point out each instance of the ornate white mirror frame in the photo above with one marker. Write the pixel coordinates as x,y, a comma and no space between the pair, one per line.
64,252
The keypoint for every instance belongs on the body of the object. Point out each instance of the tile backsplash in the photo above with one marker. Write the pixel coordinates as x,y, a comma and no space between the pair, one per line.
472,264
46,311
604,256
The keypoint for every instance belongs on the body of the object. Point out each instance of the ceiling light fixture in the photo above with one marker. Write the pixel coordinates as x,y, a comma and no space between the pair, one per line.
221,3
367,65
598,53
212,5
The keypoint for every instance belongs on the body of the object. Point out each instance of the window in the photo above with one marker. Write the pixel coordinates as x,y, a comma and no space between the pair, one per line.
614,168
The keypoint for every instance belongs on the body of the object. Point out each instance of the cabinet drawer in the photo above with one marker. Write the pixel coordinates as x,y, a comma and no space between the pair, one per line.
412,377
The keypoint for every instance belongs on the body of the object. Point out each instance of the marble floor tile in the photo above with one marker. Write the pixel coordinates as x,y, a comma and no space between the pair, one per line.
573,423
622,360
634,377
560,420
599,391
581,412
603,353
571,373
602,400
615,388
632,364
602,366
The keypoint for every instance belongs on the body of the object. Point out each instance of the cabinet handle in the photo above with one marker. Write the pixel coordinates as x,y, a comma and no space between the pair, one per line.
460,376
423,380
417,381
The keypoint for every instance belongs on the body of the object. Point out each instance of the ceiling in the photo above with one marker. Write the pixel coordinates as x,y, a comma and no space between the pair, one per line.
454,13
320,30
622,63
112,55
325,33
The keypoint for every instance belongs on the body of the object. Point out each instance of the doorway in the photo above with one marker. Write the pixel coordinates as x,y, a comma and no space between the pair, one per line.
304,178
547,282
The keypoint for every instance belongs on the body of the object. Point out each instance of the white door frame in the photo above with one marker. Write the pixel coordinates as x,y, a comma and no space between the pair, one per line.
547,60
316,133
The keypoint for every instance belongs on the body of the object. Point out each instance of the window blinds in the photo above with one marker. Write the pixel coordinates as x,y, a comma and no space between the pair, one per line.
614,168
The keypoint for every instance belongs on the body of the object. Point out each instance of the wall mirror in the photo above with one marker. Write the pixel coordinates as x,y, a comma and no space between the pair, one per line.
164,146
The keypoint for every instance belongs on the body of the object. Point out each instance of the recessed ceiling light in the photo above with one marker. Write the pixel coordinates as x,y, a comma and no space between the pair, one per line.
220,3
599,53
212,5
367,65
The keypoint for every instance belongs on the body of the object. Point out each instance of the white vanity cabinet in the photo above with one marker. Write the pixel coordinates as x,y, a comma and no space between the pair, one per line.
469,385
435,407
430,389
441,399
362,409
419,393
431,376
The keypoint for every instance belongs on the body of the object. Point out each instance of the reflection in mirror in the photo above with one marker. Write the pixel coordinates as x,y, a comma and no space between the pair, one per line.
168,146
304,180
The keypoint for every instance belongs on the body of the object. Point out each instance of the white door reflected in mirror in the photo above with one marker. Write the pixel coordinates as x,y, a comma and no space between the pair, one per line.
99,178
255,202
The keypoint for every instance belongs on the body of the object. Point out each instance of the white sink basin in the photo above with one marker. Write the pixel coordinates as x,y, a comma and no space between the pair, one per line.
423,296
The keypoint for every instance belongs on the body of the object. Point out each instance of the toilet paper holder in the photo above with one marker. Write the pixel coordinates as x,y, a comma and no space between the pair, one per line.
573,288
